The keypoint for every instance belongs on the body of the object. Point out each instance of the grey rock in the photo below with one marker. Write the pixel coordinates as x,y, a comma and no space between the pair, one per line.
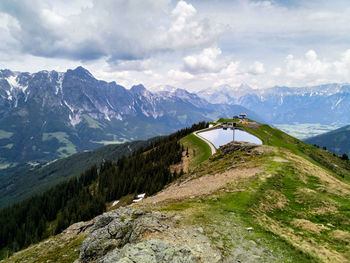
111,230
117,228
150,251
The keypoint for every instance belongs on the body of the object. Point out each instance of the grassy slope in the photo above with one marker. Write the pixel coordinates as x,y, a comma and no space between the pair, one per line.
58,248
322,158
299,206
199,150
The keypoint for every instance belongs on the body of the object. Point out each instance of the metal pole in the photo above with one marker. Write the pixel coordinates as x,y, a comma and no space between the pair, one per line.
233,132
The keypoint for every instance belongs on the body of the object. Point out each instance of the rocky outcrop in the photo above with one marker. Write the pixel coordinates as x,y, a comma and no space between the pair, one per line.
149,251
246,147
237,146
131,235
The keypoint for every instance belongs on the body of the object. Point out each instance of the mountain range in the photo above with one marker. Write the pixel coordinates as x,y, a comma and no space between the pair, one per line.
324,104
48,115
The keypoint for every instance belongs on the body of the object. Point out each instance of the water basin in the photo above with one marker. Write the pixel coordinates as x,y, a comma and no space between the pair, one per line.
220,137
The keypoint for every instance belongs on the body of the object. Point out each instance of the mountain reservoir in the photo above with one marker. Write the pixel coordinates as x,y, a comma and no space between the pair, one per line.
220,137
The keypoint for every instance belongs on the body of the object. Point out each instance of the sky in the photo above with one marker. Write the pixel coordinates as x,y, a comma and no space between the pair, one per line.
192,44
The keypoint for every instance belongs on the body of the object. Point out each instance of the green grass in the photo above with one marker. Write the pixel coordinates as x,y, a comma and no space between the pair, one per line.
3,253
4,165
5,134
8,146
57,250
304,198
92,123
111,142
308,209
225,220
273,206
68,148
201,148
330,162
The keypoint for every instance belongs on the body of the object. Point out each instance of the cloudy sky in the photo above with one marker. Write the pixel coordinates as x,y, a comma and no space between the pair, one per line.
192,44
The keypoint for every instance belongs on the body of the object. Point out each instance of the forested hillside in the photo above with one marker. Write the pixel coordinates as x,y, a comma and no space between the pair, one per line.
21,182
145,171
336,141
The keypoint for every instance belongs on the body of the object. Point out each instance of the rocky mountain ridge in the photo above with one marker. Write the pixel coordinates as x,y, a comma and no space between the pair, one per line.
48,115
324,104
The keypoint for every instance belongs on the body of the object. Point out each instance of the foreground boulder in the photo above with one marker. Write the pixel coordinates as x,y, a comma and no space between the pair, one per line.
149,251
131,235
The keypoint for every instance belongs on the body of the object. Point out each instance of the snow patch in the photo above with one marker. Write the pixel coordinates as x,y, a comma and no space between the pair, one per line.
139,198
337,103
69,107
144,112
281,100
9,96
12,80
59,83
115,203
26,97
119,117
75,119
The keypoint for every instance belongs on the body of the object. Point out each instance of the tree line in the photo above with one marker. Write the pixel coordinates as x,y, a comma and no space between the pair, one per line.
344,156
82,198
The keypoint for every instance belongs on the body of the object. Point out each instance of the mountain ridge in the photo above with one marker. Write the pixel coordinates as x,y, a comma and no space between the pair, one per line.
49,115
282,105
336,141
283,201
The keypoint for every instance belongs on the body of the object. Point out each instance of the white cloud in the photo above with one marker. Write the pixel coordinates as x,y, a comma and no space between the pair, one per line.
206,61
187,31
135,65
192,44
179,75
182,13
116,30
342,66
276,72
308,67
261,4
257,68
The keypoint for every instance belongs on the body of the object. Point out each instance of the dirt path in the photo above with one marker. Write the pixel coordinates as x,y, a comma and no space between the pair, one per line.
212,147
202,186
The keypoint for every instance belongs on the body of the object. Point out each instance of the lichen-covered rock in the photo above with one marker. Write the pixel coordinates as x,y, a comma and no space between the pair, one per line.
130,235
117,228
149,251
110,230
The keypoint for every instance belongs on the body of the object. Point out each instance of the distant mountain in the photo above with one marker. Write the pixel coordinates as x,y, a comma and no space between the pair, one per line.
49,115
323,104
337,141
